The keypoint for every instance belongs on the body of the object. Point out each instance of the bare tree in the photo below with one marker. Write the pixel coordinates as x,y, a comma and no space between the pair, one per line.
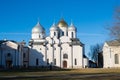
95,52
115,28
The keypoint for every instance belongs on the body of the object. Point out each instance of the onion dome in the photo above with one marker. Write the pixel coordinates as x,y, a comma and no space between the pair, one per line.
62,23
72,27
54,27
38,28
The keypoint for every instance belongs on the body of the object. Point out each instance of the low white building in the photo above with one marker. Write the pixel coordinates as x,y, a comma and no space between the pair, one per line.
61,48
13,54
111,54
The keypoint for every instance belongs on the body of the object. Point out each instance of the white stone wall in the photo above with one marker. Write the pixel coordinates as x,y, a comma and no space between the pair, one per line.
85,62
78,55
15,54
109,56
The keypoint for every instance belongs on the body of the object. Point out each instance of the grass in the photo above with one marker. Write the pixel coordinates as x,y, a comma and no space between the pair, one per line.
67,74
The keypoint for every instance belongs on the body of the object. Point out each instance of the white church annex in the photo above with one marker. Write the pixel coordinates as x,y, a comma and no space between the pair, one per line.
111,54
13,54
61,48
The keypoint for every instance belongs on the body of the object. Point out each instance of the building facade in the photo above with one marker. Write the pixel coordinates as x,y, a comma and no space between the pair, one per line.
61,48
13,54
111,54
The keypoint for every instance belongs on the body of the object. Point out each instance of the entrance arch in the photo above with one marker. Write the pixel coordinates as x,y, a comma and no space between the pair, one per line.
64,64
9,60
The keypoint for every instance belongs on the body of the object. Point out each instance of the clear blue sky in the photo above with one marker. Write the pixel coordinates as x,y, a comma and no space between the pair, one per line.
18,17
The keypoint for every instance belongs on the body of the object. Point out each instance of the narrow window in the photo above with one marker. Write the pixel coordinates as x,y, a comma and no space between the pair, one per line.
8,55
72,34
47,61
62,33
54,61
39,36
116,59
37,62
23,55
54,33
67,34
75,61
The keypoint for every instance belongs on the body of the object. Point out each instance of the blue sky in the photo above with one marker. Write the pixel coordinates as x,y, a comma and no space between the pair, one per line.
18,17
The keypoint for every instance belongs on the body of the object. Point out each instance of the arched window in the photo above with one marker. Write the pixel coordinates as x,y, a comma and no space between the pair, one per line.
72,34
62,33
54,61
67,34
65,56
8,55
54,33
37,62
47,61
24,55
116,59
75,61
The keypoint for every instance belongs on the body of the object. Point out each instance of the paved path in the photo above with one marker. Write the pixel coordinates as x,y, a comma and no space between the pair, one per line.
61,76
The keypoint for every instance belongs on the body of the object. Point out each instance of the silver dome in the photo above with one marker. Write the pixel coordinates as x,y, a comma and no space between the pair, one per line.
38,29
54,27
72,27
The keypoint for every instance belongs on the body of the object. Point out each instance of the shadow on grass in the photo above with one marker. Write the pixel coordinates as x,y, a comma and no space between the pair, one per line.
34,69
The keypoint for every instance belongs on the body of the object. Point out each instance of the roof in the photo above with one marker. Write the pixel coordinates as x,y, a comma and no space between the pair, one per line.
113,42
2,41
76,41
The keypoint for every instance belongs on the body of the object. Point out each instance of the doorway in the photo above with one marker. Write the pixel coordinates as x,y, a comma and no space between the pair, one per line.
64,64
9,64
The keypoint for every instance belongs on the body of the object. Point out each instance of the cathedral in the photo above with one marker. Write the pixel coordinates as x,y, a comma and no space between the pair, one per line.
61,48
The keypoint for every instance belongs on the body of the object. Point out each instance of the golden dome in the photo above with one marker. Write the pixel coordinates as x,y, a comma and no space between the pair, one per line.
62,23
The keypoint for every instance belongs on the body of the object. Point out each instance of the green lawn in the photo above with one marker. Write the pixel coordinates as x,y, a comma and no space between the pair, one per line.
76,74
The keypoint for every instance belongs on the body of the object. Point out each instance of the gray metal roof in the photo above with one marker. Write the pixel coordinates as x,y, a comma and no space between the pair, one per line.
113,43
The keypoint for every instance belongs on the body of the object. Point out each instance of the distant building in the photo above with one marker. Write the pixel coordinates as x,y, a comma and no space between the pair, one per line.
111,54
13,54
61,48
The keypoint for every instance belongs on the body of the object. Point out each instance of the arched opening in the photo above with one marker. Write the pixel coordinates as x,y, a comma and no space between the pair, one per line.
64,64
72,34
37,62
116,59
65,56
62,33
9,60
75,61
54,33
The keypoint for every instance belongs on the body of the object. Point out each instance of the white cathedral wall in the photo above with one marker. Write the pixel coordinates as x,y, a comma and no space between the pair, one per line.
35,35
36,53
78,55
52,34
50,54
43,53
70,34
57,55
66,49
